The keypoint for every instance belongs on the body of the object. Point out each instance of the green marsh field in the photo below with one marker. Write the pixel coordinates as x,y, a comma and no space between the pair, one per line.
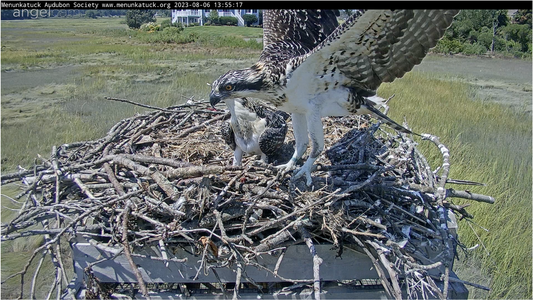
56,74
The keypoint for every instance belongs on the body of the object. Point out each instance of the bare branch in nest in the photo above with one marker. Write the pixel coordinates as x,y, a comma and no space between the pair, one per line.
163,180
441,193
468,195
136,103
127,251
317,261
397,292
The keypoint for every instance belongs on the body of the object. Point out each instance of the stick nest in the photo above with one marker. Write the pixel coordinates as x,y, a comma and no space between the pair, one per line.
164,179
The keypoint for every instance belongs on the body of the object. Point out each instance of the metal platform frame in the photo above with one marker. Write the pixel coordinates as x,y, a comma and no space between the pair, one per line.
351,277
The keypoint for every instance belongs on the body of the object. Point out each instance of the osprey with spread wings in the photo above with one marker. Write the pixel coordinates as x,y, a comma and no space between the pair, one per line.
312,68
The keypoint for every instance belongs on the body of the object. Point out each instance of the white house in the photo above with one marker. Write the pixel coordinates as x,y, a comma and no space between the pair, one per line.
186,16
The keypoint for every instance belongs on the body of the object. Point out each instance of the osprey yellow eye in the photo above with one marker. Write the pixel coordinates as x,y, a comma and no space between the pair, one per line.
229,87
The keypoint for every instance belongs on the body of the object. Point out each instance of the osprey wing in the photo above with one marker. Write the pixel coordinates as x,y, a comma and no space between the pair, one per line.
273,137
382,45
290,33
276,127
228,135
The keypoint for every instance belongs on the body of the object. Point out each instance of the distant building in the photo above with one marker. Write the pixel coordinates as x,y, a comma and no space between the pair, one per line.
186,16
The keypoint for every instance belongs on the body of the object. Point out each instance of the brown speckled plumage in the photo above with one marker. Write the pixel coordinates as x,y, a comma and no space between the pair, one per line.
270,138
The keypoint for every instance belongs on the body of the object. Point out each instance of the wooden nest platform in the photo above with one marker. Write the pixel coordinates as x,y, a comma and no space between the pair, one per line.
155,205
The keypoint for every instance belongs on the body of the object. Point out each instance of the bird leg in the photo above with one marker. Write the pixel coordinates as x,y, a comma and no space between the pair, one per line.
237,156
316,133
299,125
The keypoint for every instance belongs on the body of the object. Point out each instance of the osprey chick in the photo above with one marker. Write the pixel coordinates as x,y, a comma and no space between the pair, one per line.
312,68
254,129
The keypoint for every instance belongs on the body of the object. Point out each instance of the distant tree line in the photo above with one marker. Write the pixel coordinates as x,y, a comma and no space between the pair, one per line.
136,17
480,32
98,13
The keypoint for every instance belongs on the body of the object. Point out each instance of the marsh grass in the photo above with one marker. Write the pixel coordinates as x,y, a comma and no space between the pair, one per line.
13,261
44,43
489,143
113,65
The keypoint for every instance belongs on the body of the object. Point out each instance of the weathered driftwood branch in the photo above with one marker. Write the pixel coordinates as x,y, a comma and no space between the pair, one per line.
32,232
441,193
35,274
127,251
137,104
197,171
468,195
453,279
317,261
384,281
396,290
111,175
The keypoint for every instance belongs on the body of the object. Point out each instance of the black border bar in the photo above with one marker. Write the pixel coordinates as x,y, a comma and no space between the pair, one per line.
265,4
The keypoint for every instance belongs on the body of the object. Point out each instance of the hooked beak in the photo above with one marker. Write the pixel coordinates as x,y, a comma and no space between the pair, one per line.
214,98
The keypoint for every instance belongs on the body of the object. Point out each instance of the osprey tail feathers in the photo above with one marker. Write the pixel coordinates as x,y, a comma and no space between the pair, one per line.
372,105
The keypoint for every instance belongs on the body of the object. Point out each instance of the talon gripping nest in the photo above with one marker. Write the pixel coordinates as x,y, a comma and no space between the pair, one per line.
158,203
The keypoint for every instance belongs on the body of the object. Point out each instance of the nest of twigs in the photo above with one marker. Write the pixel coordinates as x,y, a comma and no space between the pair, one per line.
165,179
